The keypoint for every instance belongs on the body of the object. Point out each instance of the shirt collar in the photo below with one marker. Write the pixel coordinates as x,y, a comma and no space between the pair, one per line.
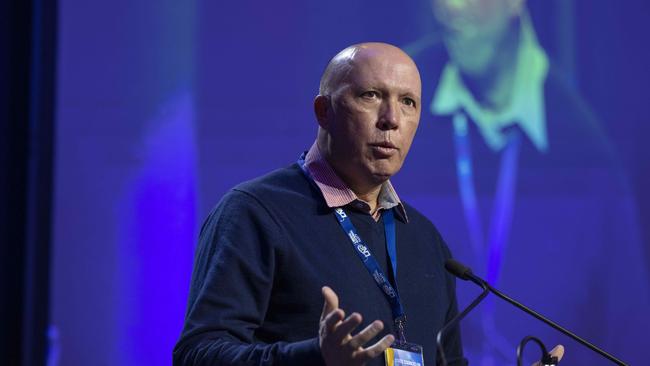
337,194
526,109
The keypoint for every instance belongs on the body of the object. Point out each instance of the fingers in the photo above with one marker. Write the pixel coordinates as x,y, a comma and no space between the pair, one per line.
366,334
335,337
376,349
346,327
558,352
331,302
332,320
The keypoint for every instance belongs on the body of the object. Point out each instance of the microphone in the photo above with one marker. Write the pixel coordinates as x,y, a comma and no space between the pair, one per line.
465,273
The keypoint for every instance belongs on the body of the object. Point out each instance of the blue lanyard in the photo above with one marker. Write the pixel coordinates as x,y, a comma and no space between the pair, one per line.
369,261
501,219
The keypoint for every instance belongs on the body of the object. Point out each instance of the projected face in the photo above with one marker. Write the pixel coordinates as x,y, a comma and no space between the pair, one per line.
472,29
375,111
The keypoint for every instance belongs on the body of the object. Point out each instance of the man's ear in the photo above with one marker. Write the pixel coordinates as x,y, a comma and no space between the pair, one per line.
322,109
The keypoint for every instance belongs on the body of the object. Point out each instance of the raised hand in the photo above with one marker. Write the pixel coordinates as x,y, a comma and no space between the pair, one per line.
337,344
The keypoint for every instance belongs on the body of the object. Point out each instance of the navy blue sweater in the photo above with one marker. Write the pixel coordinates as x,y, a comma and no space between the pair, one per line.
265,252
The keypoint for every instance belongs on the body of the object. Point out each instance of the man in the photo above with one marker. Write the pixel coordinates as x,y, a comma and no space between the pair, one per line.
524,177
274,244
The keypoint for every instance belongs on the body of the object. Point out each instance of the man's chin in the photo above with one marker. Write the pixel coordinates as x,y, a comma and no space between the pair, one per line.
382,176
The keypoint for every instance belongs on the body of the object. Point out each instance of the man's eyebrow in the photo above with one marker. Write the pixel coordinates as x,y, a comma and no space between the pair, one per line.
410,93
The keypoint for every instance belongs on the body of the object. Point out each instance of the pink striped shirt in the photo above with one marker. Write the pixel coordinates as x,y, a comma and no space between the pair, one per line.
337,194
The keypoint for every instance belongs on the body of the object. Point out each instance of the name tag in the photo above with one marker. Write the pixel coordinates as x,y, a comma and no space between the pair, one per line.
404,354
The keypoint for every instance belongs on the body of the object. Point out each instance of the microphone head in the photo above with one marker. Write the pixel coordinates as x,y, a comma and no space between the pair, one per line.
458,269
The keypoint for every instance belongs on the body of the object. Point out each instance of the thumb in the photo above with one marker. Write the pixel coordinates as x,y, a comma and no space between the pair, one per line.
331,301
558,351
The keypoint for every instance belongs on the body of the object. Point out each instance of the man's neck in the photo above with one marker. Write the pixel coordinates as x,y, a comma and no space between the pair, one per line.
364,190
371,197
367,192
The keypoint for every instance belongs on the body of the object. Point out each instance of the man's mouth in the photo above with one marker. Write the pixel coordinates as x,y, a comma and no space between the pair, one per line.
384,149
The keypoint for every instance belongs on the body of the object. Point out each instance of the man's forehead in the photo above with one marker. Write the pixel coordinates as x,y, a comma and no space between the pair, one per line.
375,69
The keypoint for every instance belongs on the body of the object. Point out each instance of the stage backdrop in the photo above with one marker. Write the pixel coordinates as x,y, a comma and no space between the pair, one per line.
162,106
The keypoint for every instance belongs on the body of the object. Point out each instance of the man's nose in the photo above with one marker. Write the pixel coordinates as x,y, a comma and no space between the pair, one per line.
389,115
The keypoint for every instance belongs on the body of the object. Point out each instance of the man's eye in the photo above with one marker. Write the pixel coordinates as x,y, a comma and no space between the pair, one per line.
409,102
370,94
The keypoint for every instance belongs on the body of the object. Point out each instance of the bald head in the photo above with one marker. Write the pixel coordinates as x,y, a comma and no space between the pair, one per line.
368,111
340,66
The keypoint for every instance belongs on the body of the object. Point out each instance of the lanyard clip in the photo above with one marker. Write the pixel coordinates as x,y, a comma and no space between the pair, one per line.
400,324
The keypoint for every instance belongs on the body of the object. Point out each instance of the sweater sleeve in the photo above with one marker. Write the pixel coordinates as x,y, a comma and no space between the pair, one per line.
230,291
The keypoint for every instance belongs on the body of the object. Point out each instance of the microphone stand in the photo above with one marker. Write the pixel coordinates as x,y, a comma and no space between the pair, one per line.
456,319
466,274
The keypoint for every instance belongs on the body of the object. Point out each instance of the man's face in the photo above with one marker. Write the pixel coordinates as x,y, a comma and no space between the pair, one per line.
375,112
473,29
